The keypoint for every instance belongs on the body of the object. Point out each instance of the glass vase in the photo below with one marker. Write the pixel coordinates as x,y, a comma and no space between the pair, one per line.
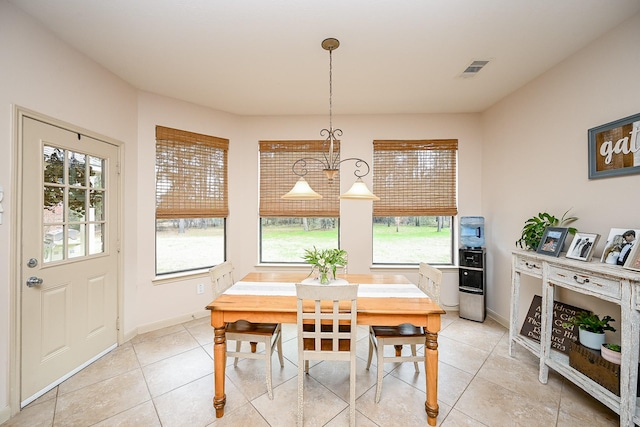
323,277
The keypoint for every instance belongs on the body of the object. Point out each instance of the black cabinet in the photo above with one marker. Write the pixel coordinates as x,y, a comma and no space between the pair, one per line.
471,283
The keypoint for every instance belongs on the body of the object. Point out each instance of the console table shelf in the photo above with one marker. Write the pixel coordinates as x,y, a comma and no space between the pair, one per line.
607,282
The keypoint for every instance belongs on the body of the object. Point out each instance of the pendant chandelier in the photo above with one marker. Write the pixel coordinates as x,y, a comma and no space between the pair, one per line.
330,164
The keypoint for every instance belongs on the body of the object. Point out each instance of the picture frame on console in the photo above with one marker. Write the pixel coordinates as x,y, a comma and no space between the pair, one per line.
552,241
633,260
614,245
582,246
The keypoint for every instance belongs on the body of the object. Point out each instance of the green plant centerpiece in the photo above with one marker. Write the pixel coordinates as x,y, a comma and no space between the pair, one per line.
591,328
534,227
325,261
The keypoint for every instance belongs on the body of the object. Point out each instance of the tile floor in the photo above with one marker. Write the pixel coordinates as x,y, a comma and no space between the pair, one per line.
164,378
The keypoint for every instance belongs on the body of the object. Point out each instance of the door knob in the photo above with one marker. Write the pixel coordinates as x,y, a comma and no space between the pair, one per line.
34,281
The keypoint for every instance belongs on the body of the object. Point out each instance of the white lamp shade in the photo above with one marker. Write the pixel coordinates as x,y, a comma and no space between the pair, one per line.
301,191
359,191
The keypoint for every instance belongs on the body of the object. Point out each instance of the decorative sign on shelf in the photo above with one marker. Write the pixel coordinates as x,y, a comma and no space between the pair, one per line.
561,337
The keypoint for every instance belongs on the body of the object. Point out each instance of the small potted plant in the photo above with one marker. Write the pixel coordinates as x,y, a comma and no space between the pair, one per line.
534,227
611,352
591,328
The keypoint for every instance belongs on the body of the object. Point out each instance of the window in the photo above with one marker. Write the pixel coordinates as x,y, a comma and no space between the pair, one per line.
75,196
288,227
416,183
191,200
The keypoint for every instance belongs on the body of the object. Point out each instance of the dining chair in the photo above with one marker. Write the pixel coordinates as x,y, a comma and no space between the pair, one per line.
270,334
327,331
429,280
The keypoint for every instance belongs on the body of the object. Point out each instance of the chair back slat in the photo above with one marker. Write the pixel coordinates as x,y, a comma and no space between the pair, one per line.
323,308
221,277
332,311
429,281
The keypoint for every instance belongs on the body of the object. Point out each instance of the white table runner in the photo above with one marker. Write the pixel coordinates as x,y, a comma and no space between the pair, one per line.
289,289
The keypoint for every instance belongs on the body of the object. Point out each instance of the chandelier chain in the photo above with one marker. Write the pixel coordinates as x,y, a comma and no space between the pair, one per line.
331,92
330,161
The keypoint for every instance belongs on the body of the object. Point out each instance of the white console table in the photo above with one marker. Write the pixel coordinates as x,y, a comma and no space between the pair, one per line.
607,282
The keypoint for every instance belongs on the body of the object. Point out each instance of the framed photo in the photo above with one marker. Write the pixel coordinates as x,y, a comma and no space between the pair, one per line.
633,260
552,241
612,148
614,245
582,246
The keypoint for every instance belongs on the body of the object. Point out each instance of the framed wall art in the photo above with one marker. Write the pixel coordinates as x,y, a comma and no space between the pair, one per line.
552,241
614,148
582,246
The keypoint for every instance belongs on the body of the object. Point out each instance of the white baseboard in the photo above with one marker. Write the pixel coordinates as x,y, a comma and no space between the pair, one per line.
490,314
5,414
172,321
450,308
128,336
501,320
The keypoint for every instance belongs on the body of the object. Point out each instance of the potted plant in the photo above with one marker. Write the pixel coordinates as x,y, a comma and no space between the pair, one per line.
591,328
534,227
611,352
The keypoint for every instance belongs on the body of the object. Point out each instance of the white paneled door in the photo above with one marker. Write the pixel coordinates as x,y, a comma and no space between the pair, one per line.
69,261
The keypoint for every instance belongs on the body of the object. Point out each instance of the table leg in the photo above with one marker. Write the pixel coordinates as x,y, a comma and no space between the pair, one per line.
431,368
219,362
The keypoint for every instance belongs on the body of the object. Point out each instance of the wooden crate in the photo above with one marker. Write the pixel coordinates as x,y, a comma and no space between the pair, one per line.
591,363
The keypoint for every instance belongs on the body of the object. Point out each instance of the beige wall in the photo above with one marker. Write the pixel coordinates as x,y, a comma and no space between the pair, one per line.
527,153
535,155
40,73
168,301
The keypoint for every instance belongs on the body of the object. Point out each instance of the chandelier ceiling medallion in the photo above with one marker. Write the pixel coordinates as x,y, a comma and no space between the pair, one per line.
330,163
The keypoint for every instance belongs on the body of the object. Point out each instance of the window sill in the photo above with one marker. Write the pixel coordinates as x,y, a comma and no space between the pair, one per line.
306,267
411,267
282,265
175,277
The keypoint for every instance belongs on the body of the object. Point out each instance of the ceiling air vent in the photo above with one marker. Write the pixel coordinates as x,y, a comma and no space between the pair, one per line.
473,68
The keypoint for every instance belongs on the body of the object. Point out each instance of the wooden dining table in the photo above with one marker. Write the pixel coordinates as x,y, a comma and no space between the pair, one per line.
386,303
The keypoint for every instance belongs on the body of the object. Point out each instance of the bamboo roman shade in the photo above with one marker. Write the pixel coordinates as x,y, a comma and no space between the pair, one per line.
415,178
277,178
191,175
